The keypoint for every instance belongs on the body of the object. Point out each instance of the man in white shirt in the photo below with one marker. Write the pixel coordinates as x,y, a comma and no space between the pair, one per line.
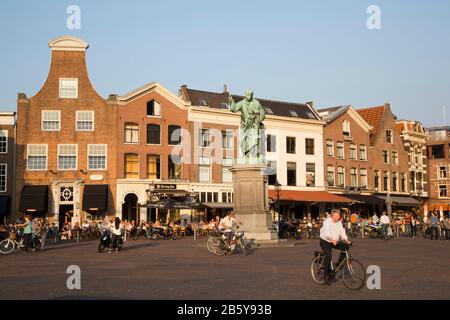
331,233
227,222
385,221
375,219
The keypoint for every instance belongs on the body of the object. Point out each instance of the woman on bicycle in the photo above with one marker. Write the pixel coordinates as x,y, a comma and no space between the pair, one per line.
27,231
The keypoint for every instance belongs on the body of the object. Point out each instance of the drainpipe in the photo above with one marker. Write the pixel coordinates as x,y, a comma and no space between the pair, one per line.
13,206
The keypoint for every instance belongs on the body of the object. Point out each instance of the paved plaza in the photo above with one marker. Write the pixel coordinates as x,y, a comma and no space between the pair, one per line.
184,269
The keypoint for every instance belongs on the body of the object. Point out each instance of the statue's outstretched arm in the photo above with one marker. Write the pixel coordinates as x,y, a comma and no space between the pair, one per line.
234,107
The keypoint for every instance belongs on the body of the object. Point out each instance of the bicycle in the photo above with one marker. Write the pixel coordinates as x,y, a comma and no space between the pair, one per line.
8,245
353,272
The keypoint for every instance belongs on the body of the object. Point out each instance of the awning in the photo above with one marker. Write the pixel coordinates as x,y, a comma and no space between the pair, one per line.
367,199
402,201
95,197
34,199
219,205
437,206
4,205
309,196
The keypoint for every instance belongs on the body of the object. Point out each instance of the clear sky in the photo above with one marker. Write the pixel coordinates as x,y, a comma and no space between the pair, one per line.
300,51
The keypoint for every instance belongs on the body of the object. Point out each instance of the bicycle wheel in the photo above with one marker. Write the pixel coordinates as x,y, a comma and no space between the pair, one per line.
218,249
7,246
317,272
210,244
354,275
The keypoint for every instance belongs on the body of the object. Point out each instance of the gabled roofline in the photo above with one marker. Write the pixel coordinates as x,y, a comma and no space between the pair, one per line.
353,113
152,86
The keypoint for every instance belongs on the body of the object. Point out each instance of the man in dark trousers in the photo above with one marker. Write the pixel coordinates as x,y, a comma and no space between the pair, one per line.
331,235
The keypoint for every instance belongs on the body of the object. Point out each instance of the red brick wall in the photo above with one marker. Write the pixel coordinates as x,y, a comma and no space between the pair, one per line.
66,64
135,111
334,131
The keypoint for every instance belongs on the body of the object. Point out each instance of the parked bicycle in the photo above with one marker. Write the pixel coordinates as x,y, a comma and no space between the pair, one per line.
352,271
14,241
218,243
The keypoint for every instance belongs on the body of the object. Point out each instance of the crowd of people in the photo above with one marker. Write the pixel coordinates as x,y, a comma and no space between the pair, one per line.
406,224
36,231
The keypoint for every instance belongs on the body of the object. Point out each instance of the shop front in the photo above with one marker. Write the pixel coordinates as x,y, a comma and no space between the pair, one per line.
302,204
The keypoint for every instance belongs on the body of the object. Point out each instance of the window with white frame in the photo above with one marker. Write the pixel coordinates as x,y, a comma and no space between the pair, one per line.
67,156
443,192
340,150
362,152
443,172
68,88
227,139
341,176
97,156
227,176
330,176
37,157
131,132
346,128
153,108
205,139
85,120
3,141
394,157
3,176
353,151
204,171
330,148
395,181
363,178
51,120
353,177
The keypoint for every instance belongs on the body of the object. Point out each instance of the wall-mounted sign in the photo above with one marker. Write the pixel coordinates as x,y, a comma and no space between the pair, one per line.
160,186
353,190
96,177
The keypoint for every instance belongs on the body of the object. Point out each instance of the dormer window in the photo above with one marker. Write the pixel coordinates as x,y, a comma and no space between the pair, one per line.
68,88
153,108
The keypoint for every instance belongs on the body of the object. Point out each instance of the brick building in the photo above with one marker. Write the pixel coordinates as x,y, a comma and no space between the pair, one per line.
347,164
7,164
438,153
388,158
66,142
153,149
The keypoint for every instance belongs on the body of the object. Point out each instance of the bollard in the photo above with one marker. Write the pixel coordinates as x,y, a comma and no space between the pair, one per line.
78,236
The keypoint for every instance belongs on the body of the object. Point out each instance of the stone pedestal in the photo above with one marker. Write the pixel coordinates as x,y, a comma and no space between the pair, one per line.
251,204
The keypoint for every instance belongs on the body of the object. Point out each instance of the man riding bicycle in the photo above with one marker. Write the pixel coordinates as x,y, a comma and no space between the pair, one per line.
227,223
332,236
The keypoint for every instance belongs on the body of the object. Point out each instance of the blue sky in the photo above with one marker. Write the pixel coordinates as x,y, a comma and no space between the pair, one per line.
298,51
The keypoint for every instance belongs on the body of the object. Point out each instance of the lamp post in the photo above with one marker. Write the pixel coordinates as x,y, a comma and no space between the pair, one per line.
419,195
277,195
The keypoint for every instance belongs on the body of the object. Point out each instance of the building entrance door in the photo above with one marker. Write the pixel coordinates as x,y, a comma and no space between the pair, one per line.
129,208
65,214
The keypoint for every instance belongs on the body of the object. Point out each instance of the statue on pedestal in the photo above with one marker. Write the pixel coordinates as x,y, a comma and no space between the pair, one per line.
251,130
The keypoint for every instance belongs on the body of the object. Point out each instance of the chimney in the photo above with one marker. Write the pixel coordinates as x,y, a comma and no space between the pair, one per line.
225,88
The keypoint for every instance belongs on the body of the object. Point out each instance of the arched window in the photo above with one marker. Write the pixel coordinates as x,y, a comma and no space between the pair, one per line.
346,128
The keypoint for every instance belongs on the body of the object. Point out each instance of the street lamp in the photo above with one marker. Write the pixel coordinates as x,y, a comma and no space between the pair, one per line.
419,195
277,195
